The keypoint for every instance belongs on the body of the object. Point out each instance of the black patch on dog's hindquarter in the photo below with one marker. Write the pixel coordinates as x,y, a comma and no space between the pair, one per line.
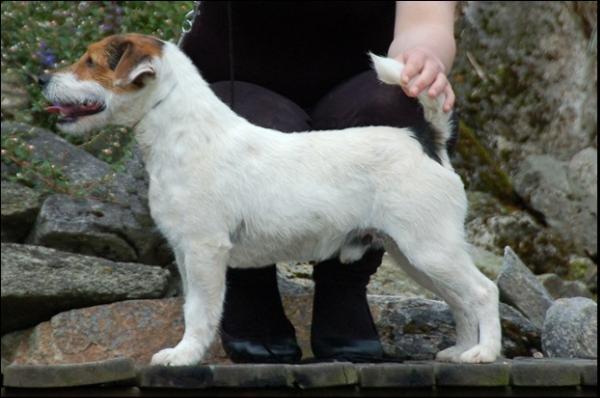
426,134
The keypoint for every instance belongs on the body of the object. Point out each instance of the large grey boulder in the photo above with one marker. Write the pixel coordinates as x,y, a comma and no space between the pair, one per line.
520,288
102,229
571,329
39,282
492,225
20,206
528,77
528,87
544,182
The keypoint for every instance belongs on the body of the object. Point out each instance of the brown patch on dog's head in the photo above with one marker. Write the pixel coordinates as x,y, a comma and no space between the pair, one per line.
119,62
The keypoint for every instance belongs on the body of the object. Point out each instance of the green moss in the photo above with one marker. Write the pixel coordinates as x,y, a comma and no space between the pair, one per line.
489,177
578,269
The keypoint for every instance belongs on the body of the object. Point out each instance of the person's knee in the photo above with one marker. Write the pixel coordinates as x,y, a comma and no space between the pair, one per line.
262,107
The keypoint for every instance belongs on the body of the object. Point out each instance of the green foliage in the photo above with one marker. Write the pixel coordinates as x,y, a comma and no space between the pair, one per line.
35,173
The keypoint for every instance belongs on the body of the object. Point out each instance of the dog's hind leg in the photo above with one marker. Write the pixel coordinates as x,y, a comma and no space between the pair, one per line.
449,272
466,321
431,237
205,267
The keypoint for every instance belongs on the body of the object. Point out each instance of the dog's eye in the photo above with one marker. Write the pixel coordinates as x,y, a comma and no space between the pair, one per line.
89,61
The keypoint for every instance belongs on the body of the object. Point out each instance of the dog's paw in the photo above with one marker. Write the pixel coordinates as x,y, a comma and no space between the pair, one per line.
479,354
175,357
450,354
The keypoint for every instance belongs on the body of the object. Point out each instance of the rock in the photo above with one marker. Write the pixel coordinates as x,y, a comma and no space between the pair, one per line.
519,287
295,278
571,329
38,282
518,87
390,279
417,329
491,225
486,261
559,288
81,374
70,224
583,176
102,229
137,329
544,183
77,165
15,97
528,79
519,335
20,206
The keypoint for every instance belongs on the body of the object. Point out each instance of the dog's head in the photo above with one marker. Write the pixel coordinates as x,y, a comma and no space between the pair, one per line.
111,83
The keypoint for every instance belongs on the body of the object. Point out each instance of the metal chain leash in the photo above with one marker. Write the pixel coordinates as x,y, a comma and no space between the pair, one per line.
188,21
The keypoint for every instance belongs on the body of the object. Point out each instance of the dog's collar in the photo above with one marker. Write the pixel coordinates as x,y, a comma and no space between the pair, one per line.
156,105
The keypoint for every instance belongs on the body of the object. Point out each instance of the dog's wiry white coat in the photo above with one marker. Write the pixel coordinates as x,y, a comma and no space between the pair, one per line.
224,191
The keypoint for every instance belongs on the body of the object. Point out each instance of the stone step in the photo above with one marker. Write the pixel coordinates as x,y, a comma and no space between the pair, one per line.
519,372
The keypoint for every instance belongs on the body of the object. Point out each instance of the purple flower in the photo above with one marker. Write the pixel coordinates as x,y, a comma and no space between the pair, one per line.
46,55
105,27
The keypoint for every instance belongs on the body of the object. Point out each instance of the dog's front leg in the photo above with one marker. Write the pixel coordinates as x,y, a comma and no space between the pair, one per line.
205,268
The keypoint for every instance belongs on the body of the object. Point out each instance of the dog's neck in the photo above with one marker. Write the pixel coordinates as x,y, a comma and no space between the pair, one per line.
183,99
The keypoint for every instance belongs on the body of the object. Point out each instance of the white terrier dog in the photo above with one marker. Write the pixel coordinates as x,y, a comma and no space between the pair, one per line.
216,183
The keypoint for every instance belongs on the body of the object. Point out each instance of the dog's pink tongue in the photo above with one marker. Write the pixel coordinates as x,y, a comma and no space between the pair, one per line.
53,109
64,109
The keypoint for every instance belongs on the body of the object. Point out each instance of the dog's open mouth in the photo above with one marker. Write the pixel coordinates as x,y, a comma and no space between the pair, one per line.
71,112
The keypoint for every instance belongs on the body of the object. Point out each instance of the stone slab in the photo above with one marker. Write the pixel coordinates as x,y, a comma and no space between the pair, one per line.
589,373
82,374
181,377
322,375
495,374
545,373
405,375
251,375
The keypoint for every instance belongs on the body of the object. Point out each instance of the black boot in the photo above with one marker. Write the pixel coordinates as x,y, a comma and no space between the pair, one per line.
254,327
342,325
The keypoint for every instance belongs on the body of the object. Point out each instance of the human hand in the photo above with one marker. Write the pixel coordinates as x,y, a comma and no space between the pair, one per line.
423,70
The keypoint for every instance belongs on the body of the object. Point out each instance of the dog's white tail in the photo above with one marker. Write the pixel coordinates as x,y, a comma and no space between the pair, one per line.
389,71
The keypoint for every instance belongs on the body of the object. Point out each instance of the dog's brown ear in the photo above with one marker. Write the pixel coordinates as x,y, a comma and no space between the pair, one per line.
131,64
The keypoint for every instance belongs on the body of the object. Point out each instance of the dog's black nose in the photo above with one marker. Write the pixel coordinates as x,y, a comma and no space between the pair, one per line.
44,79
